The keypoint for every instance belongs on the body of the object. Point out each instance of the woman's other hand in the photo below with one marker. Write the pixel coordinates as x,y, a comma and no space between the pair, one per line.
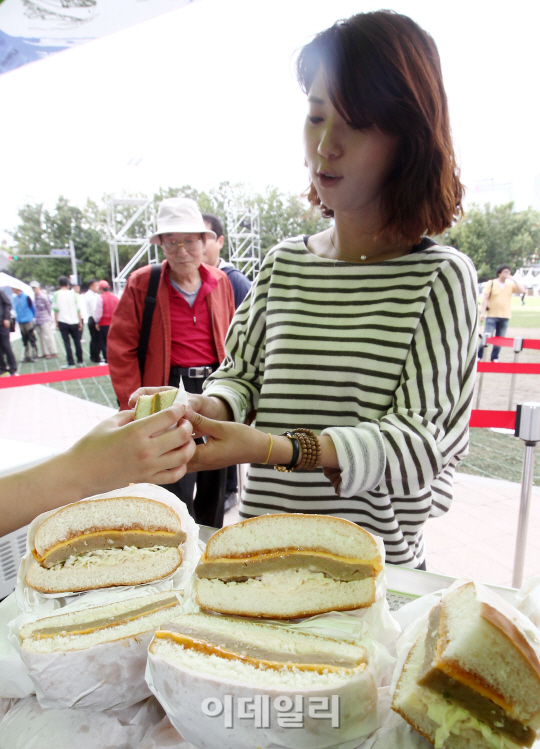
227,443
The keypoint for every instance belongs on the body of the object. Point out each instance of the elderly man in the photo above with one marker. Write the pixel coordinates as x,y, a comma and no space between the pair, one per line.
185,337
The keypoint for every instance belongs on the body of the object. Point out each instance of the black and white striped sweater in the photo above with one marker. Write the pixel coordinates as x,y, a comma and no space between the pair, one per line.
382,358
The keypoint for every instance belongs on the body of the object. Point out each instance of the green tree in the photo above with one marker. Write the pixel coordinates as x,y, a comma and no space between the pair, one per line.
492,235
40,230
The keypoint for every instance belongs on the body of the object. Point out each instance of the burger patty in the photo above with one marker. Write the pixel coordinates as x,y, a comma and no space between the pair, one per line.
240,569
112,539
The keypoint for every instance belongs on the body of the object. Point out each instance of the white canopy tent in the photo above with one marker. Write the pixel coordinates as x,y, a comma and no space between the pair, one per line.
10,282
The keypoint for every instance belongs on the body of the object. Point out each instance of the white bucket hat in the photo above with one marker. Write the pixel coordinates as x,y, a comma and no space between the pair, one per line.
179,215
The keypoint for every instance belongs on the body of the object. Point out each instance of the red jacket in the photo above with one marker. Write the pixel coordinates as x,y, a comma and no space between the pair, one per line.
124,333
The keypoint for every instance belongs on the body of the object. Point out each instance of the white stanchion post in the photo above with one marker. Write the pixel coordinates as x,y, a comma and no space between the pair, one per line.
518,348
527,429
484,338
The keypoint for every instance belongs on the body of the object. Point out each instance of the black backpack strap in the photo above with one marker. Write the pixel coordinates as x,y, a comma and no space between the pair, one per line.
148,313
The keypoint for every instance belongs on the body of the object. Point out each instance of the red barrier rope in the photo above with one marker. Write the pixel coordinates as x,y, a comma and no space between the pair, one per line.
56,375
489,419
533,343
508,367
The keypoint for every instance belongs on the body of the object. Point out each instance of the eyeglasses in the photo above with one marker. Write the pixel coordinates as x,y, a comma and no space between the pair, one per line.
189,244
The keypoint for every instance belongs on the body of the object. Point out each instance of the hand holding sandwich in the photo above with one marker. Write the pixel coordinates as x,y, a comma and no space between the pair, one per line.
115,453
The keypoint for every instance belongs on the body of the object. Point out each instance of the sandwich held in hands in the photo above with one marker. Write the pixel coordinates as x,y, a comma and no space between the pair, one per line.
287,566
472,680
150,404
105,542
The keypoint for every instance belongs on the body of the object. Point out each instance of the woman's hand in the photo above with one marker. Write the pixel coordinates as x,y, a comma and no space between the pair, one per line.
155,449
228,444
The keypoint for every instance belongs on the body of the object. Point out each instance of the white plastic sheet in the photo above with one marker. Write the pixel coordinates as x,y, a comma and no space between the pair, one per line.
31,600
14,680
28,726
165,736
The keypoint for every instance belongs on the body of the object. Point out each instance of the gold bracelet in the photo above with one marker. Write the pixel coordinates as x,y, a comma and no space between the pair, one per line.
310,447
270,450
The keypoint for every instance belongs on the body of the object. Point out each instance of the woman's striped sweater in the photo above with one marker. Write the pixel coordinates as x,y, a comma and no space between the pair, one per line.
382,358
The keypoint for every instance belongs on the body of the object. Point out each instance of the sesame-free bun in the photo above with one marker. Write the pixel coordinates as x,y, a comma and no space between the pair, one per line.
287,566
105,542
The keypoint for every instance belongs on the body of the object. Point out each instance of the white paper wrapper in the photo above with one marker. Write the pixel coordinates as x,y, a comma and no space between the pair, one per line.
14,679
182,693
105,676
28,726
31,600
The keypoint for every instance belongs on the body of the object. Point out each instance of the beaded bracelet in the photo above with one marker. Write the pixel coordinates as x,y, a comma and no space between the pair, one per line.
295,453
311,449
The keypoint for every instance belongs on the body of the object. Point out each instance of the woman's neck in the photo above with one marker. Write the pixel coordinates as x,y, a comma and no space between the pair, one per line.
355,241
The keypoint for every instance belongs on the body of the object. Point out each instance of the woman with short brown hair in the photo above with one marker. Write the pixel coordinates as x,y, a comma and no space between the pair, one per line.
365,333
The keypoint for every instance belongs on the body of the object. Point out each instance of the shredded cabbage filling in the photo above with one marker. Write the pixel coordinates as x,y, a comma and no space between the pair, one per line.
108,557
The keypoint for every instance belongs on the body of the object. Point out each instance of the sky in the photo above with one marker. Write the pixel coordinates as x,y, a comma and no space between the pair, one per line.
207,93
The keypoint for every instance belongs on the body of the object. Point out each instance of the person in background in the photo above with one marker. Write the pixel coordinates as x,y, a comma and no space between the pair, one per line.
497,300
67,314
91,299
211,256
193,310
24,312
9,365
105,306
241,285
44,322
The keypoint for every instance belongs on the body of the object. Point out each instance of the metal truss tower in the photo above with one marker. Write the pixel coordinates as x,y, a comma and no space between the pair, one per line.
118,229
244,232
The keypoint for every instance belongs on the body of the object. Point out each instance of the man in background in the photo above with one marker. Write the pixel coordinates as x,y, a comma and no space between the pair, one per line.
5,346
211,256
193,309
67,314
497,300
90,299
240,285
105,306
23,307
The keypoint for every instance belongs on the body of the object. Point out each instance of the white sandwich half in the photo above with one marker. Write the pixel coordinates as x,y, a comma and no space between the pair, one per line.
150,404
85,628
287,566
105,542
257,653
472,680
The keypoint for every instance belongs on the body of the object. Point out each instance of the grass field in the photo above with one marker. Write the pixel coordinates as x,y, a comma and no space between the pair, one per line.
527,316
